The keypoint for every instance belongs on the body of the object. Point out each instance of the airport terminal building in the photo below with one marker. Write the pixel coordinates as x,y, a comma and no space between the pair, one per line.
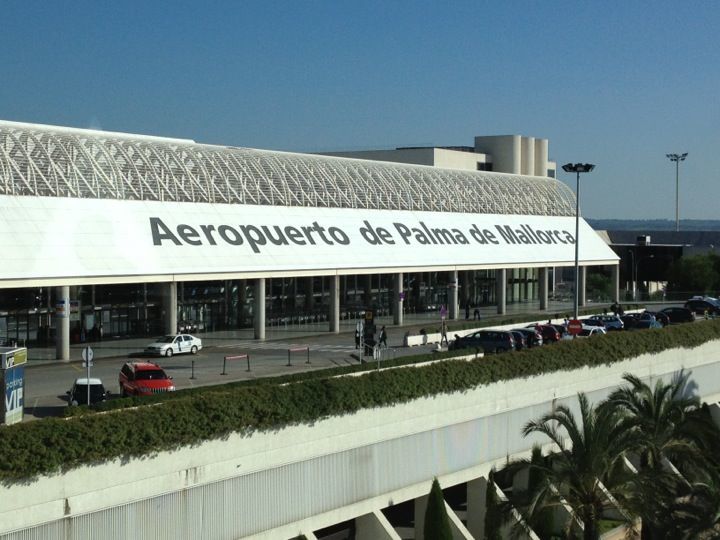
131,235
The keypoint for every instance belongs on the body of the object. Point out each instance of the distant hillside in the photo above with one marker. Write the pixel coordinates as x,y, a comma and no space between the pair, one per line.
654,224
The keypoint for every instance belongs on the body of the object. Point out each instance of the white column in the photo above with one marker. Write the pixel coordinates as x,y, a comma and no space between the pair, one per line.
582,279
543,287
62,323
171,308
335,304
528,155
399,303
259,308
500,290
453,295
541,157
374,526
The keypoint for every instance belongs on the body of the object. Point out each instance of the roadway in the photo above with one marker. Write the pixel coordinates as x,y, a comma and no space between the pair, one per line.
48,380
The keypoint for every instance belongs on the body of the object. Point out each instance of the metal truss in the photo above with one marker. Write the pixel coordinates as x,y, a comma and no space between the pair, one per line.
60,162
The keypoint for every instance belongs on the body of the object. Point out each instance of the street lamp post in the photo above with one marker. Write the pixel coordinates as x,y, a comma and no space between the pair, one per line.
677,158
577,168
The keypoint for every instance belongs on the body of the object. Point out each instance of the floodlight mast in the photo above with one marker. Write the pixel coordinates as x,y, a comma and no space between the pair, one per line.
577,168
677,158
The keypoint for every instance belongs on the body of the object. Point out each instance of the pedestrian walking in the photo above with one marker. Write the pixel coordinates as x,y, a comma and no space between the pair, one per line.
443,333
476,314
467,311
383,337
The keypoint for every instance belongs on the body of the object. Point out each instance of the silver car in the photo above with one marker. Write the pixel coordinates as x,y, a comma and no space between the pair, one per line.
175,344
611,322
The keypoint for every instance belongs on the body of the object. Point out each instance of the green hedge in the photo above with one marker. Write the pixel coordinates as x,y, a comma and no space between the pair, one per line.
190,417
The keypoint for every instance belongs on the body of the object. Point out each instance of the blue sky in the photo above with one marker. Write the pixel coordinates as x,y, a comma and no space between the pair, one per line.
618,84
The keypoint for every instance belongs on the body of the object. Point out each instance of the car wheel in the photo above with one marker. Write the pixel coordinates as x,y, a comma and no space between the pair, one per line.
193,349
169,352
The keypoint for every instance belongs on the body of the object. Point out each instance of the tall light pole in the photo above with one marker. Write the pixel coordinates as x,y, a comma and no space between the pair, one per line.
577,168
677,158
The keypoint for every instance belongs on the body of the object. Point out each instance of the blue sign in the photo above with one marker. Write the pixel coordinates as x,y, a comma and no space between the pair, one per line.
14,383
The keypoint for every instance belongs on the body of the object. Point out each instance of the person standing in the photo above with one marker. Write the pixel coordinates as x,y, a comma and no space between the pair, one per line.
467,311
443,333
383,337
358,333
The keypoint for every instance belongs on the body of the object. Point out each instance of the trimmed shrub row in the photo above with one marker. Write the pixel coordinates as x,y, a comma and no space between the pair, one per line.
193,416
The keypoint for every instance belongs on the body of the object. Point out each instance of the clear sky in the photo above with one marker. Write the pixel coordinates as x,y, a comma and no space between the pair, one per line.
618,83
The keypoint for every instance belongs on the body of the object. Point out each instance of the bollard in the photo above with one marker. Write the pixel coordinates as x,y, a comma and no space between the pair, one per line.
236,357
192,373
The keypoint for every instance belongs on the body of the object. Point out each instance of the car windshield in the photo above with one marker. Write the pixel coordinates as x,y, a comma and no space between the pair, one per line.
150,375
166,339
97,391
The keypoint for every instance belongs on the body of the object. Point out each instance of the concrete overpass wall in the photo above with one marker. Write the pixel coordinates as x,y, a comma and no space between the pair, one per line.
302,478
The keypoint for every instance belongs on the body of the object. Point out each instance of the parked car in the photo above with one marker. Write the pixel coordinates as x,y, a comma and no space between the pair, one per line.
179,343
590,331
701,306
532,336
561,328
610,322
548,331
630,322
520,339
78,393
647,323
496,341
679,314
661,317
591,321
144,379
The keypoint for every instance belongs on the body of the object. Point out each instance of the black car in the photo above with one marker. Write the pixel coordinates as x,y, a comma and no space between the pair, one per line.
679,314
520,340
700,307
495,341
630,322
78,394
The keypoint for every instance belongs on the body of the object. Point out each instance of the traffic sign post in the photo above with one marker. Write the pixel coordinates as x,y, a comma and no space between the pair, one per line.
574,327
87,356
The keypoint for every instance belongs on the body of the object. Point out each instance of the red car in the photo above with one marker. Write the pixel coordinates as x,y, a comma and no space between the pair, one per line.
144,379
548,331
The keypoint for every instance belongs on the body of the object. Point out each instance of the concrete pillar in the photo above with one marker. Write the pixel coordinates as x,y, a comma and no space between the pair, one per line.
420,507
543,287
615,283
527,145
171,307
259,308
453,295
62,323
500,290
374,526
464,288
476,507
399,302
541,157
309,295
335,304
582,275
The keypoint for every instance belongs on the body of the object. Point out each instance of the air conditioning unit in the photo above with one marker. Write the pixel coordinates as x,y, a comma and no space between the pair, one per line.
643,240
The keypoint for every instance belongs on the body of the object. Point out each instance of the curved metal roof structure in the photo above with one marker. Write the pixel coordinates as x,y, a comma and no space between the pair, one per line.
64,162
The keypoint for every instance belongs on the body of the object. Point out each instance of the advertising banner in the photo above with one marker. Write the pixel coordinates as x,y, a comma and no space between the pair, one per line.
13,382
49,237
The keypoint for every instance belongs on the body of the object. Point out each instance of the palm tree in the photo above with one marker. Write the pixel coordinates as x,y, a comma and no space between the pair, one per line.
579,473
663,421
668,424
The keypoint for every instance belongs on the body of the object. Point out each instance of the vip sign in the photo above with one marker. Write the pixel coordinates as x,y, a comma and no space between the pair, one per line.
13,380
